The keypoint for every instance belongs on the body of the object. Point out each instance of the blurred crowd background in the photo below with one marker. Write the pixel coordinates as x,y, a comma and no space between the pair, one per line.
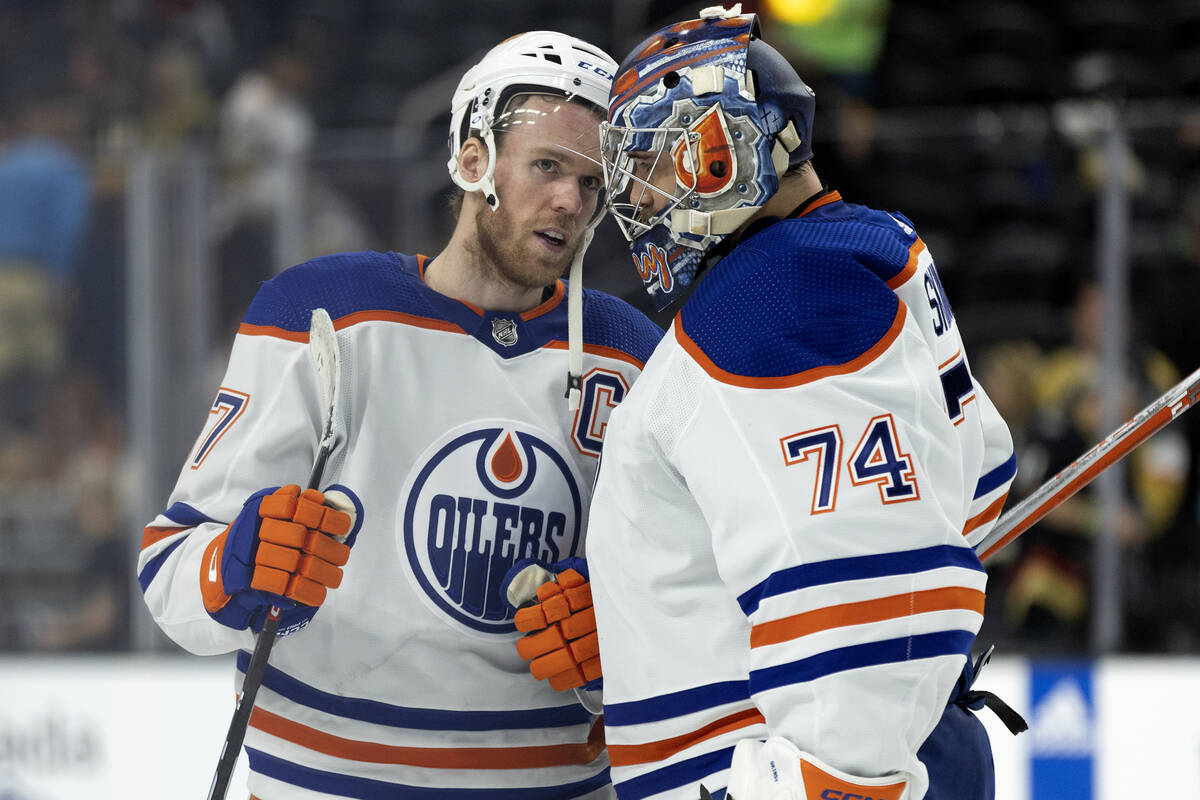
160,158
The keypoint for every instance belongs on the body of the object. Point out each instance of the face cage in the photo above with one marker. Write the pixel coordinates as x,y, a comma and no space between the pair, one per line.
620,154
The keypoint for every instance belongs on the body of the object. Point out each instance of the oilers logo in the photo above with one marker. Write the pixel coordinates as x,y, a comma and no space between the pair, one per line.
481,499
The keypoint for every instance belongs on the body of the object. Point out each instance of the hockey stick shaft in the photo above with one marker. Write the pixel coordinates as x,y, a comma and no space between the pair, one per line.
1080,472
323,346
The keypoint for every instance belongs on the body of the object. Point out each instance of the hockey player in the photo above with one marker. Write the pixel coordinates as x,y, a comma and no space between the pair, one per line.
780,539
456,455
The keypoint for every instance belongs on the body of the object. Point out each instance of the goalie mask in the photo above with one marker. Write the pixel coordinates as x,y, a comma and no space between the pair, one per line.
534,63
703,121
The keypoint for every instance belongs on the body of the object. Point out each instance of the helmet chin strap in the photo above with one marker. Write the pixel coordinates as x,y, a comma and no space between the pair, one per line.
711,223
575,321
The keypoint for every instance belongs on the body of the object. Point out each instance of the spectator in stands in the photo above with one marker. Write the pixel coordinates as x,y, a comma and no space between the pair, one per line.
181,107
45,195
272,211
1048,591
96,615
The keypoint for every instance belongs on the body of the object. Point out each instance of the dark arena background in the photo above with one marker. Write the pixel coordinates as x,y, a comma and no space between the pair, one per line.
161,158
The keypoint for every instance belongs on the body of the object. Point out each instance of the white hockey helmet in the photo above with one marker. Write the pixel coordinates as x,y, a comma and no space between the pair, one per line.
537,62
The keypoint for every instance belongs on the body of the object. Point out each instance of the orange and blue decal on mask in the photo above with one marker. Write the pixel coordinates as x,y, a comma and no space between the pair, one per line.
665,267
710,163
652,265
691,43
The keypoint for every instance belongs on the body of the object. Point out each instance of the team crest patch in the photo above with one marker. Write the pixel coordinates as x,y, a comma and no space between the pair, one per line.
504,331
481,499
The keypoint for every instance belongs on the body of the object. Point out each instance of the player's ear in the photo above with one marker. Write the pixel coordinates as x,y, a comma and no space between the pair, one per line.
473,159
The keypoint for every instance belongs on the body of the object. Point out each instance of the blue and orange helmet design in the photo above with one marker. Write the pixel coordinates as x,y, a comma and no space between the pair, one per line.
703,120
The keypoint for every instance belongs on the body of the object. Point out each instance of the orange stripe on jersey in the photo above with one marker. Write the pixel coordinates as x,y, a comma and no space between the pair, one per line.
153,534
950,360
396,316
532,757
246,329
559,290
598,350
985,516
910,267
823,200
883,608
422,263
346,321
624,755
799,378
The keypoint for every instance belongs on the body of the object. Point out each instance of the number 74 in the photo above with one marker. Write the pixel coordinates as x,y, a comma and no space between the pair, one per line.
877,459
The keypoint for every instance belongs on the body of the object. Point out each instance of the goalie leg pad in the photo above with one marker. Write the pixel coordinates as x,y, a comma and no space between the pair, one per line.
777,770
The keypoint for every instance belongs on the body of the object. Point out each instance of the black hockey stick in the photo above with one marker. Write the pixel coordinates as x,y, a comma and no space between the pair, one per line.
322,346
1082,470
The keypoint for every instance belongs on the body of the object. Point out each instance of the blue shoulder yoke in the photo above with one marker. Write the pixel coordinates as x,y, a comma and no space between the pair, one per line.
802,294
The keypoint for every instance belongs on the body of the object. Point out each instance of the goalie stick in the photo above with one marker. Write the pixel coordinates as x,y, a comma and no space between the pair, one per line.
322,346
1080,472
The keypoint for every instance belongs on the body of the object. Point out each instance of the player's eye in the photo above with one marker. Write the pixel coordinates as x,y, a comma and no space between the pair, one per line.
545,164
591,182
641,167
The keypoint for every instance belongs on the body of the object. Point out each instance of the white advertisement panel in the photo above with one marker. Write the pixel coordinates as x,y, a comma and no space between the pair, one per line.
133,728
127,728
1148,728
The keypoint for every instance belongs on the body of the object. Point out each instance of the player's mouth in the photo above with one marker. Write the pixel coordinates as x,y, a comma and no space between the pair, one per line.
554,239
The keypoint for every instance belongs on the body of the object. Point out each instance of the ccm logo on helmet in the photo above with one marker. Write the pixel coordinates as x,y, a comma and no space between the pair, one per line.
834,794
603,73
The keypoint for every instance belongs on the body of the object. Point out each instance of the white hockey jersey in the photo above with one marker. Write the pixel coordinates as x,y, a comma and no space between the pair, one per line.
454,432
782,529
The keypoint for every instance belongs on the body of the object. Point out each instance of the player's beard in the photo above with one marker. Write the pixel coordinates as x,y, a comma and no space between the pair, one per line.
510,252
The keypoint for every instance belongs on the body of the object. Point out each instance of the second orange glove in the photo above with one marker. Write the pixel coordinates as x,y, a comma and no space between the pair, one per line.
554,609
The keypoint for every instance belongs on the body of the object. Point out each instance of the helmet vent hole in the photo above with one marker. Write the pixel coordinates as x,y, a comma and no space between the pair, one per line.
718,169
669,43
552,57
671,79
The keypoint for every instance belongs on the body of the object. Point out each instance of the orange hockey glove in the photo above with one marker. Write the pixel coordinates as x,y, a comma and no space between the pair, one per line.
286,548
554,606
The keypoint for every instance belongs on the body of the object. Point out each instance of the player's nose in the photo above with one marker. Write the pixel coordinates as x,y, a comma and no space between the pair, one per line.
567,197
645,200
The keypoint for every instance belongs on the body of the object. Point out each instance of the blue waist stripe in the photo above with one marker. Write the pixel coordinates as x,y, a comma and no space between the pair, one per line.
675,704
997,477
429,719
676,775
371,789
838,570
907,648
